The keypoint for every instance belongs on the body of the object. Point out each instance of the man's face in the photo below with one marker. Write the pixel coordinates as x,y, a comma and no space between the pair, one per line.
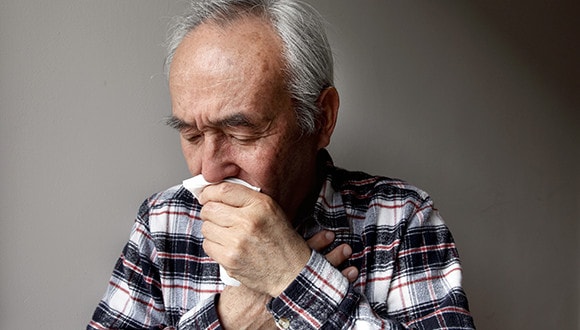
235,117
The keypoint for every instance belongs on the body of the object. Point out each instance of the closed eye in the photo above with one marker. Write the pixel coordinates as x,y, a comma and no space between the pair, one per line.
192,137
242,139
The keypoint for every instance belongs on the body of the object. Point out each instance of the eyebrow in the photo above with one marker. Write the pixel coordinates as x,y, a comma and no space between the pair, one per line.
176,123
235,120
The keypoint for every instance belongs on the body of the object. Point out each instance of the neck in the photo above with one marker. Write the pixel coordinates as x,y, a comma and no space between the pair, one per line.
306,208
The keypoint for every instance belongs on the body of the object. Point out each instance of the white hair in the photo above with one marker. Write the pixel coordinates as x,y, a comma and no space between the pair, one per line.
306,52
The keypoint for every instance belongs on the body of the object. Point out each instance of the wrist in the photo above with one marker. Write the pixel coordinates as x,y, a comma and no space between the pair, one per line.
242,308
293,270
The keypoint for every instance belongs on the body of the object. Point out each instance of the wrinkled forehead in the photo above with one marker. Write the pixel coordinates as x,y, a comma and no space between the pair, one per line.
246,48
228,68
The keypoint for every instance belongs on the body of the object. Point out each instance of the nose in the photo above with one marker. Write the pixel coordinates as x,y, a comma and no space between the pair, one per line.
217,162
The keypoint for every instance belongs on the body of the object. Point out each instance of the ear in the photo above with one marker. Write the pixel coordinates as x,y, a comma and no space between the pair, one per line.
328,102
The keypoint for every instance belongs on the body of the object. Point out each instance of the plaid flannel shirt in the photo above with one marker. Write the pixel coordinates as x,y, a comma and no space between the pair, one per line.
410,273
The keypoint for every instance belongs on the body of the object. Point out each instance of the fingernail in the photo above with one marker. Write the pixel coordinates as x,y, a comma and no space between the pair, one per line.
352,275
329,235
347,251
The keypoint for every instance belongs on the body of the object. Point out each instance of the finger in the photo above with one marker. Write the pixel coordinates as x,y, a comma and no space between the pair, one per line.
351,273
339,254
212,249
228,193
220,214
215,233
321,240
224,245
224,255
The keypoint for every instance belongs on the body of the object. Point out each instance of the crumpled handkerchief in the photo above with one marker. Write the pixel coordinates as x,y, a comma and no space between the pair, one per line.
195,185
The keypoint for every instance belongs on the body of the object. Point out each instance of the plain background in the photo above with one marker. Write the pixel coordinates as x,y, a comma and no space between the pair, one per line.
474,101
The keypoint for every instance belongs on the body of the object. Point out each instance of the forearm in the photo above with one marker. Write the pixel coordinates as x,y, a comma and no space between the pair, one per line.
132,299
313,298
242,308
321,298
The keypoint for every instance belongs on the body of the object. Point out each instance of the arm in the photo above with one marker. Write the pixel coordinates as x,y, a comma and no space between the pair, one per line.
242,308
138,297
411,275
133,298
413,281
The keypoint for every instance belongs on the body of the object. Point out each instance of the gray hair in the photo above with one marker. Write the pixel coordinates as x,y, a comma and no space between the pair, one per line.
307,54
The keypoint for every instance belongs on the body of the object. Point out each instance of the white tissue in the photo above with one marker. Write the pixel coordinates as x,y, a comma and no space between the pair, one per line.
195,185
198,182
227,279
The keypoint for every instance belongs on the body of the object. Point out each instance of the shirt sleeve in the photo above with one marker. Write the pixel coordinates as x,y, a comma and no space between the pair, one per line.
134,295
424,287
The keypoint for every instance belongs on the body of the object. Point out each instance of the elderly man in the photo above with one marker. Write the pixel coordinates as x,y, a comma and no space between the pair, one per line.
316,247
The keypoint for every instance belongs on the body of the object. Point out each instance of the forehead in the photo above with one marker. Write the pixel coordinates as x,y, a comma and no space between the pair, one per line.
222,69
247,50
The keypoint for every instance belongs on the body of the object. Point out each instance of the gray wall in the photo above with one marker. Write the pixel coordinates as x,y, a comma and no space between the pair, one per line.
474,102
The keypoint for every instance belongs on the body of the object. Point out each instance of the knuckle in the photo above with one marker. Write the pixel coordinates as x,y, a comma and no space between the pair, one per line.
224,188
252,225
231,259
208,209
268,205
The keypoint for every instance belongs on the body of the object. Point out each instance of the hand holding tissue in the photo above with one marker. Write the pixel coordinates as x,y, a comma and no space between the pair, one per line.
195,185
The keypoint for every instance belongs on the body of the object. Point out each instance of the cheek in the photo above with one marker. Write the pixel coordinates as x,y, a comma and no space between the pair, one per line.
258,165
257,162
274,163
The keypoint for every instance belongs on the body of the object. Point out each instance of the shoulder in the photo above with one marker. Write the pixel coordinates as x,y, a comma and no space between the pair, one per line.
380,200
356,185
172,197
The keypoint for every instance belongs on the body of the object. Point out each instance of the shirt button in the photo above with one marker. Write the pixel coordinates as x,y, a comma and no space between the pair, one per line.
283,323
